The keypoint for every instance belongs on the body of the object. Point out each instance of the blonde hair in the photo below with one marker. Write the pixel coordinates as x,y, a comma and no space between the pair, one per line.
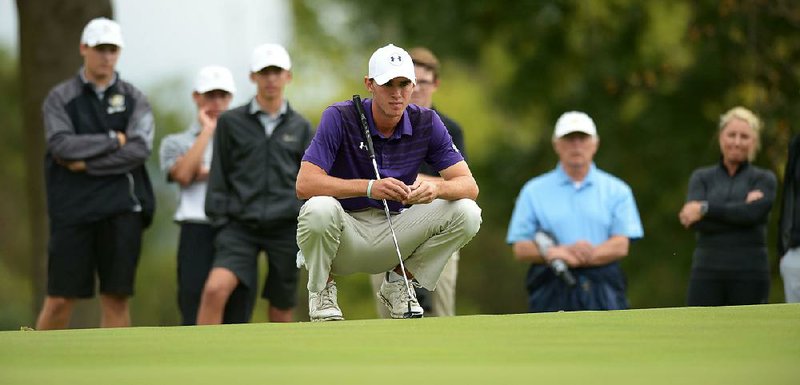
748,117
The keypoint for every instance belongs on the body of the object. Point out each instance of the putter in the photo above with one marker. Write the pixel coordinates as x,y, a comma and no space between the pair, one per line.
365,128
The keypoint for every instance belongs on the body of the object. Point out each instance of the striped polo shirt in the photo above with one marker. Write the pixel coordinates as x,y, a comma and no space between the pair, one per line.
340,149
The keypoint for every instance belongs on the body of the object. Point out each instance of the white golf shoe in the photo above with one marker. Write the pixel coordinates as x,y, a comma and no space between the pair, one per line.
322,305
395,296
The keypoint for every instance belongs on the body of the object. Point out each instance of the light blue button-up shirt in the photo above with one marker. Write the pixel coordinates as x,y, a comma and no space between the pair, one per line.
600,207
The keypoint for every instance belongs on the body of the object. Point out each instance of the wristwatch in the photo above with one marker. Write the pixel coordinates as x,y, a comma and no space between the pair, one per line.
703,208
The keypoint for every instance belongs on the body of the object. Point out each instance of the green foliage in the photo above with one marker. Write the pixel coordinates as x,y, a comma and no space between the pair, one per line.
15,288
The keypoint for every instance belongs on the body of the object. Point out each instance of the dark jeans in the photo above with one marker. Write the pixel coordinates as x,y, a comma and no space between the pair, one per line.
598,288
727,288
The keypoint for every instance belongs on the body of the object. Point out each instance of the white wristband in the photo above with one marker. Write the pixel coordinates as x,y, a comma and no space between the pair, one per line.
369,188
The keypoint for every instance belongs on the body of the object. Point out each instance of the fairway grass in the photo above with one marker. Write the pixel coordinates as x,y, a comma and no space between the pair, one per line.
726,345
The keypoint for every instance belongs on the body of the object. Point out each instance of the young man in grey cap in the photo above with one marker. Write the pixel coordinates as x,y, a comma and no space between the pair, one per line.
256,157
99,130
343,229
186,160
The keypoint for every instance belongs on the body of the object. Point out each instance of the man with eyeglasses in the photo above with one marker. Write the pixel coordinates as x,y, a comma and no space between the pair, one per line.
440,302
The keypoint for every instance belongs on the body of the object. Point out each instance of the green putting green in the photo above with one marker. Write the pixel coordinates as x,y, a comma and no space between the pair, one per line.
727,345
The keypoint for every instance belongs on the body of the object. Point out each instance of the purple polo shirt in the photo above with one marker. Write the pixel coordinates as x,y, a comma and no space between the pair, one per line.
338,147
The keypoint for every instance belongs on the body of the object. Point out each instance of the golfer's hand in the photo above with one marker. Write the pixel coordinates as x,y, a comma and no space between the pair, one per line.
753,196
563,253
390,189
582,250
422,191
690,213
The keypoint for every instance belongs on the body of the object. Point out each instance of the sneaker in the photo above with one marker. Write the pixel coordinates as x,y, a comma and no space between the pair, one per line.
322,305
395,296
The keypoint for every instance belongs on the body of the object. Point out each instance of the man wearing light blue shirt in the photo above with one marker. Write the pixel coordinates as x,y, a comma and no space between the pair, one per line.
588,218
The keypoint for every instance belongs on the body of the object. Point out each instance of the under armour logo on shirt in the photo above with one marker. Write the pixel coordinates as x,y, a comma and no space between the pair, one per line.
362,146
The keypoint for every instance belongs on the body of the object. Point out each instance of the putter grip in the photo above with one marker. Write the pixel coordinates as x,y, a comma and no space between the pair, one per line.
364,126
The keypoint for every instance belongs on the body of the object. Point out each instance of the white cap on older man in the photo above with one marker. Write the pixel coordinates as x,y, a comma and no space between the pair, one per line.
102,31
391,62
267,55
574,121
212,78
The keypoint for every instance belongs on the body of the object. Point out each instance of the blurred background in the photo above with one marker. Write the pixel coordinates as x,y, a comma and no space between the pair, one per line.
654,75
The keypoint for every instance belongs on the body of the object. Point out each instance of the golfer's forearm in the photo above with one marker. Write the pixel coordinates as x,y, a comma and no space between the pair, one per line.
613,249
462,187
526,251
325,185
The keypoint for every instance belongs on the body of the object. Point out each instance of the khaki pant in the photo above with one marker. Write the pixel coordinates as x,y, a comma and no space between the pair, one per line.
333,241
443,299
790,271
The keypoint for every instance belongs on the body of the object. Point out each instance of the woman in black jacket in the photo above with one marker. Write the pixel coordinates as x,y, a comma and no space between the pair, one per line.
727,206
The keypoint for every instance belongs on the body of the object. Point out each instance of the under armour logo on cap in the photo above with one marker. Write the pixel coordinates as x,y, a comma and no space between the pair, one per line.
391,62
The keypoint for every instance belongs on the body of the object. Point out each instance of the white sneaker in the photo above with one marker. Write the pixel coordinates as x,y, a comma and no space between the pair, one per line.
322,305
395,296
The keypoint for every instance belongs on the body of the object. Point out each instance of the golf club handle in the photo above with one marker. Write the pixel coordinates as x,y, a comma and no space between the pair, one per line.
561,270
365,129
364,126
545,241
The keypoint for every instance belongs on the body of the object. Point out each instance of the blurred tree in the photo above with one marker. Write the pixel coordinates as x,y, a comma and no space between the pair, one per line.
49,35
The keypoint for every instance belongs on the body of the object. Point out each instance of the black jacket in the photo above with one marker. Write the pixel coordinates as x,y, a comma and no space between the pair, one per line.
789,223
454,129
732,234
252,177
79,125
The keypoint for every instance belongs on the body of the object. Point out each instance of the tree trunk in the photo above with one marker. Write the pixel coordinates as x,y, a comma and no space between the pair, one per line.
49,37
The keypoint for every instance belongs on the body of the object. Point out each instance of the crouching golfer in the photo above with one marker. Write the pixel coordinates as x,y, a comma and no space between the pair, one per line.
343,229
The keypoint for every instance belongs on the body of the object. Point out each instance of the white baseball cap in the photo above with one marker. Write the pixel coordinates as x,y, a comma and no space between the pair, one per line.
390,62
574,121
102,31
267,55
214,78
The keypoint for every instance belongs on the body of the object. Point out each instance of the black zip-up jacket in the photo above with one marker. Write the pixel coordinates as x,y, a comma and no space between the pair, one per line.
732,235
252,177
79,125
789,223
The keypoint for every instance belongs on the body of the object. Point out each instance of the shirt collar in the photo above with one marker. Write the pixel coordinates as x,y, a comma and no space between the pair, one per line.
255,108
590,178
739,169
404,125
97,89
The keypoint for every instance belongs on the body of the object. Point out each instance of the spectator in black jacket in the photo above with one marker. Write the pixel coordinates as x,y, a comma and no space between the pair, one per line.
99,130
251,193
728,205
789,224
